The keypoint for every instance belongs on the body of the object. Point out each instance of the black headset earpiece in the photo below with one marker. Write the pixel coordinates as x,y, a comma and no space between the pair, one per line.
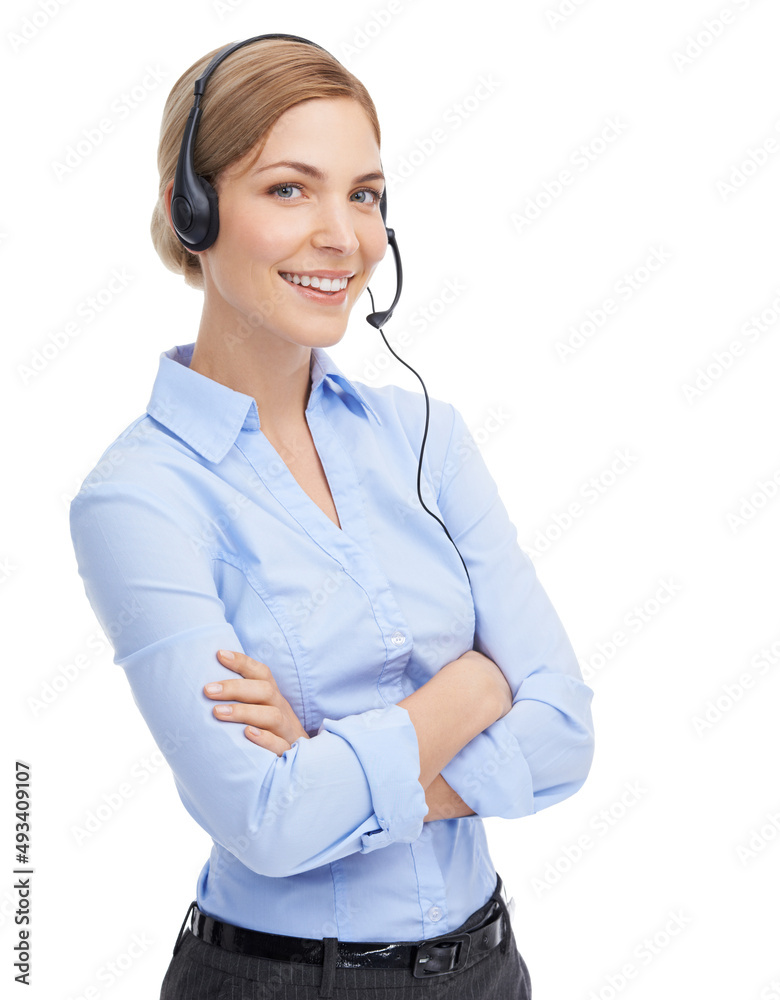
194,208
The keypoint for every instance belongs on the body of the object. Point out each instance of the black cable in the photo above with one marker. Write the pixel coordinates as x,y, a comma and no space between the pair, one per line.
425,436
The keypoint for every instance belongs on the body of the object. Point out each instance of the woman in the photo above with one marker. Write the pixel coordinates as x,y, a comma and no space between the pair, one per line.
256,529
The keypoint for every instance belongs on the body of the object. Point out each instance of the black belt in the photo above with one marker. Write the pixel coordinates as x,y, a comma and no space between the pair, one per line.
430,957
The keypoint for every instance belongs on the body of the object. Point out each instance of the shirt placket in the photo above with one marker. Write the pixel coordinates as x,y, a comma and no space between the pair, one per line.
352,547
350,503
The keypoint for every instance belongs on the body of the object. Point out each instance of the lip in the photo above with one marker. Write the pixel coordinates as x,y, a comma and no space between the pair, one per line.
320,274
314,294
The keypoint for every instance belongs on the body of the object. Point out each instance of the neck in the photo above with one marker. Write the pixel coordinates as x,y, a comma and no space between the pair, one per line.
274,371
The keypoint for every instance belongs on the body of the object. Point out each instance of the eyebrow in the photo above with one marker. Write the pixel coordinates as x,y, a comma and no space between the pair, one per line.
306,168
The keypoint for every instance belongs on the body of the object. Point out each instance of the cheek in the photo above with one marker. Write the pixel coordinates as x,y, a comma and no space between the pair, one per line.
259,244
375,245
254,239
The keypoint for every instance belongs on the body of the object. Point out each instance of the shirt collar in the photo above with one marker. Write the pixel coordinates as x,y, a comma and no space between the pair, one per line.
208,416
323,368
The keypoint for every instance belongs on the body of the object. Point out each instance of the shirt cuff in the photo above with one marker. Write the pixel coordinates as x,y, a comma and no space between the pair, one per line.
385,742
490,772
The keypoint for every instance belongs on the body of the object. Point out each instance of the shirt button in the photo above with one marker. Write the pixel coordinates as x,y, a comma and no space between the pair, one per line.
434,913
398,638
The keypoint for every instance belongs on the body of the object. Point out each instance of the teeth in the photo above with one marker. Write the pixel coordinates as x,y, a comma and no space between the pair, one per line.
324,284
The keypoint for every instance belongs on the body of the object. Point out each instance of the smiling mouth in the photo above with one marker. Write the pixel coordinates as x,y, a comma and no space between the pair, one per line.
324,285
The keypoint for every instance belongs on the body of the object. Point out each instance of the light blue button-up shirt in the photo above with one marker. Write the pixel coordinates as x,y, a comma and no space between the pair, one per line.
191,535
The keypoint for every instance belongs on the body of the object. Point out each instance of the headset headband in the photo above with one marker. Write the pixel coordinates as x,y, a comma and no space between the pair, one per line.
200,83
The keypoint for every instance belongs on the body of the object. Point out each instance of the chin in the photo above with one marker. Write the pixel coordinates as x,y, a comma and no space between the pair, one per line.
331,338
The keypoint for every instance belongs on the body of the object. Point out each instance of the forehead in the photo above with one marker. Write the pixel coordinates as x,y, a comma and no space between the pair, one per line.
330,128
334,136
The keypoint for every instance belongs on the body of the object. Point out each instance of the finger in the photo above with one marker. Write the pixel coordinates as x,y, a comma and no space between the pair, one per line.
270,741
243,664
251,692
261,716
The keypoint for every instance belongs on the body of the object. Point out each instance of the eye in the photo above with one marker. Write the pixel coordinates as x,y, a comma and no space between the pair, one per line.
283,191
375,195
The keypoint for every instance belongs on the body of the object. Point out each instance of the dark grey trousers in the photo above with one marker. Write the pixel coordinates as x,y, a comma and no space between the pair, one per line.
200,971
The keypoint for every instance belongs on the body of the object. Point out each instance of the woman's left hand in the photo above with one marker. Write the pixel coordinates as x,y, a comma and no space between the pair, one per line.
256,700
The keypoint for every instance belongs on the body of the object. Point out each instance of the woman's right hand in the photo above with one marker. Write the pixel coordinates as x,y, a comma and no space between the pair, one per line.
494,680
256,700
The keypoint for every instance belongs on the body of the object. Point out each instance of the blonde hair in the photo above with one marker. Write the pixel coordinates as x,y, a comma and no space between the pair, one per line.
243,98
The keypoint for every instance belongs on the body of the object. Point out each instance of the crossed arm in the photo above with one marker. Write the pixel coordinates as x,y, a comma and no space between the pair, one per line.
456,704
154,592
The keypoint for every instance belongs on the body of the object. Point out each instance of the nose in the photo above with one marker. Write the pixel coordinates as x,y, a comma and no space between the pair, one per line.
335,229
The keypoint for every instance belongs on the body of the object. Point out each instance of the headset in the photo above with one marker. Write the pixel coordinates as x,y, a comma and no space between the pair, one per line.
195,215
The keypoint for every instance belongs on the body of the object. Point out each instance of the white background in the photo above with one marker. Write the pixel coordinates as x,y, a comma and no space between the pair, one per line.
698,837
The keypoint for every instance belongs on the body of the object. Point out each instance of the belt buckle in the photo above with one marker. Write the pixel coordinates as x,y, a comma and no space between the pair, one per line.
456,944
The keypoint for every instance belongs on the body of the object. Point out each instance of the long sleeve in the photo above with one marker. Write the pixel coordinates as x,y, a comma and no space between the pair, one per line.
541,751
351,788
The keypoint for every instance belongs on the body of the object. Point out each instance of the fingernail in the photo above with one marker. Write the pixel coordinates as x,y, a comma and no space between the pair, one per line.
224,709
226,654
213,688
